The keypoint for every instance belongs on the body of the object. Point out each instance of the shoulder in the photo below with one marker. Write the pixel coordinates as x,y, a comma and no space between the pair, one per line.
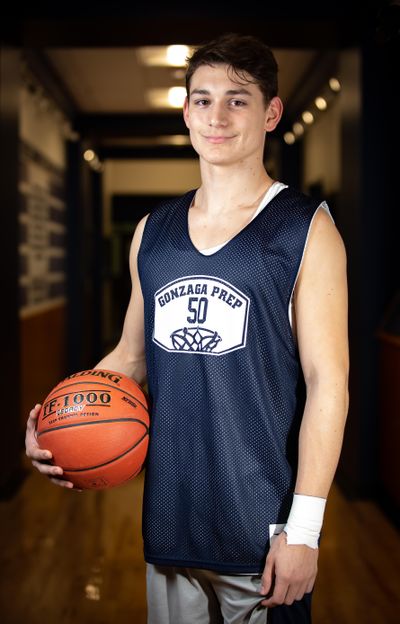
138,233
137,240
324,235
295,208
316,214
140,226
325,253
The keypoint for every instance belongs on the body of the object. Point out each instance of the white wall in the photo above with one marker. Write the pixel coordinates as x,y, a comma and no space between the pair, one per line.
152,177
321,150
42,129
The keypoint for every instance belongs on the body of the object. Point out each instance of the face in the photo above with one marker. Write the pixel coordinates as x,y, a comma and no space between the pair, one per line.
227,116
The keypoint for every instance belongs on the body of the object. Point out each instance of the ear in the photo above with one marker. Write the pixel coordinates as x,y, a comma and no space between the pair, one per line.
273,114
186,112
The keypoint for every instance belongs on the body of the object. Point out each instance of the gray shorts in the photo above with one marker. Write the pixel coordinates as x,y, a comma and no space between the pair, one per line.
194,596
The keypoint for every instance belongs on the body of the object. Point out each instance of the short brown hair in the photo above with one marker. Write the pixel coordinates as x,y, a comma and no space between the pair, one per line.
242,53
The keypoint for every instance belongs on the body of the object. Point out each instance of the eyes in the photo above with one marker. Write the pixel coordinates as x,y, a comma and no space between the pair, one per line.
202,103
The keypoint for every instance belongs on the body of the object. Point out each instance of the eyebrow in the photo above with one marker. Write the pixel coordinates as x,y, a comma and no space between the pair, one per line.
229,92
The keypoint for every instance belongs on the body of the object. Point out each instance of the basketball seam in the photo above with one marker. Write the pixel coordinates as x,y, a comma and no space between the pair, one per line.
110,461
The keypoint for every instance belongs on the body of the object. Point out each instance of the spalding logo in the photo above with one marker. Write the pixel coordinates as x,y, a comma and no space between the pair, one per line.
98,373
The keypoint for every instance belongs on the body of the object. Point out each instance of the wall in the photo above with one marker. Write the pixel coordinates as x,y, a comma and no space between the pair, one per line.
10,459
42,248
322,150
41,126
152,177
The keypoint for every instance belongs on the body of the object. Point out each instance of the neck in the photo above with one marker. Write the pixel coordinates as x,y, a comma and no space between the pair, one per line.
223,190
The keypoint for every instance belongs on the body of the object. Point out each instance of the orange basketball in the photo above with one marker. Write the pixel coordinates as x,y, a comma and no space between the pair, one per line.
96,424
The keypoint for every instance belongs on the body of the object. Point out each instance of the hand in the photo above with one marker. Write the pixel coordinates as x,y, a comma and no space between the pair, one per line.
289,572
40,457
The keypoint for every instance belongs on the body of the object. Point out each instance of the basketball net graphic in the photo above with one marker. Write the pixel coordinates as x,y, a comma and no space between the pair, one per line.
195,339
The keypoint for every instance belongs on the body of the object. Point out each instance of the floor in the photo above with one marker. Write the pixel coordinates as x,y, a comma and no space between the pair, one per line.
69,557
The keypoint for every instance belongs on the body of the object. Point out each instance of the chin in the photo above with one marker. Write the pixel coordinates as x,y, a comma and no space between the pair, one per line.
218,157
214,154
218,160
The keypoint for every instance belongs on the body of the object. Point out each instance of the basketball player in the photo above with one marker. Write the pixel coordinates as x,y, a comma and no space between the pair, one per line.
238,318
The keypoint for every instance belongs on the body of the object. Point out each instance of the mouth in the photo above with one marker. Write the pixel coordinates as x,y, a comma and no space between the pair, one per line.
217,139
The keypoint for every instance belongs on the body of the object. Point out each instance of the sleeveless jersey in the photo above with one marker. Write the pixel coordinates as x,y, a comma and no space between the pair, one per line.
225,385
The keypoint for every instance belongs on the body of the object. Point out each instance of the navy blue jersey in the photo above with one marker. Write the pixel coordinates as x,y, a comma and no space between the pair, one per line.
225,385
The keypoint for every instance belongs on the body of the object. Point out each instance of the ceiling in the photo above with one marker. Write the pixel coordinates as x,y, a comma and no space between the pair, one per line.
116,80
90,62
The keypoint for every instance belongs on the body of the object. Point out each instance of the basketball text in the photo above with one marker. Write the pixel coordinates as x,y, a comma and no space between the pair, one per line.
68,403
98,373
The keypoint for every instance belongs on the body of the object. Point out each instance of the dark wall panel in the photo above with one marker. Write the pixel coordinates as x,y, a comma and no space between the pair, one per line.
10,460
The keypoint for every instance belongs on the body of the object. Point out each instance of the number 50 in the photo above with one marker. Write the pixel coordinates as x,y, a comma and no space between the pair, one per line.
198,308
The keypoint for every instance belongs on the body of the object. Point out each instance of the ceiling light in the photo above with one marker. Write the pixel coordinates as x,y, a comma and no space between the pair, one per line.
289,138
307,117
178,74
178,139
298,128
158,98
334,84
89,155
321,103
176,96
166,98
163,56
153,56
177,54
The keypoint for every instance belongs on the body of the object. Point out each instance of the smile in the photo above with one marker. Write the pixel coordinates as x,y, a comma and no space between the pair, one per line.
217,139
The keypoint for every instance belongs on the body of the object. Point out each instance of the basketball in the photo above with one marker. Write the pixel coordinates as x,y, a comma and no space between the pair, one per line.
96,424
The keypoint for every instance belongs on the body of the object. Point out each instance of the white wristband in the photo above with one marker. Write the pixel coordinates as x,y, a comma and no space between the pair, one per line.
305,520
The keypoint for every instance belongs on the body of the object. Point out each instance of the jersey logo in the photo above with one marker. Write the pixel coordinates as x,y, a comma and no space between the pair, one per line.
200,314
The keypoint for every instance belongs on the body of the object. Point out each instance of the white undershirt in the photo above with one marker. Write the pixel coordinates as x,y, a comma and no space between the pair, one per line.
273,190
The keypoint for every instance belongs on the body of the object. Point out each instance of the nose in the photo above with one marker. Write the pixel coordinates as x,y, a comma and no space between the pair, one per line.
217,117
215,123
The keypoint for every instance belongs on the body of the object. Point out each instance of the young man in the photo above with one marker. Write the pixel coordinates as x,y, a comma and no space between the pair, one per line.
238,297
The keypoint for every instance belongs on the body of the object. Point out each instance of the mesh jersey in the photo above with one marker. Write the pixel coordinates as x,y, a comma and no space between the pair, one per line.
225,385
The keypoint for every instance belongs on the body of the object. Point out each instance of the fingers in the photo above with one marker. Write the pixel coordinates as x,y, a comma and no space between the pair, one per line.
54,473
31,445
33,416
266,579
32,449
286,593
295,593
310,586
65,484
41,457
293,572
47,469
279,595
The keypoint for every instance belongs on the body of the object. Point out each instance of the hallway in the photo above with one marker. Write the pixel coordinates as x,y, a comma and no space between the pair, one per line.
92,139
69,556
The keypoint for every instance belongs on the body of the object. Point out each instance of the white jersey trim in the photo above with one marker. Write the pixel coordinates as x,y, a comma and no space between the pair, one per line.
325,207
273,190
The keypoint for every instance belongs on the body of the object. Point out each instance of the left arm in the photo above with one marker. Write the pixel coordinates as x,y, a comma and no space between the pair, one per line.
320,301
